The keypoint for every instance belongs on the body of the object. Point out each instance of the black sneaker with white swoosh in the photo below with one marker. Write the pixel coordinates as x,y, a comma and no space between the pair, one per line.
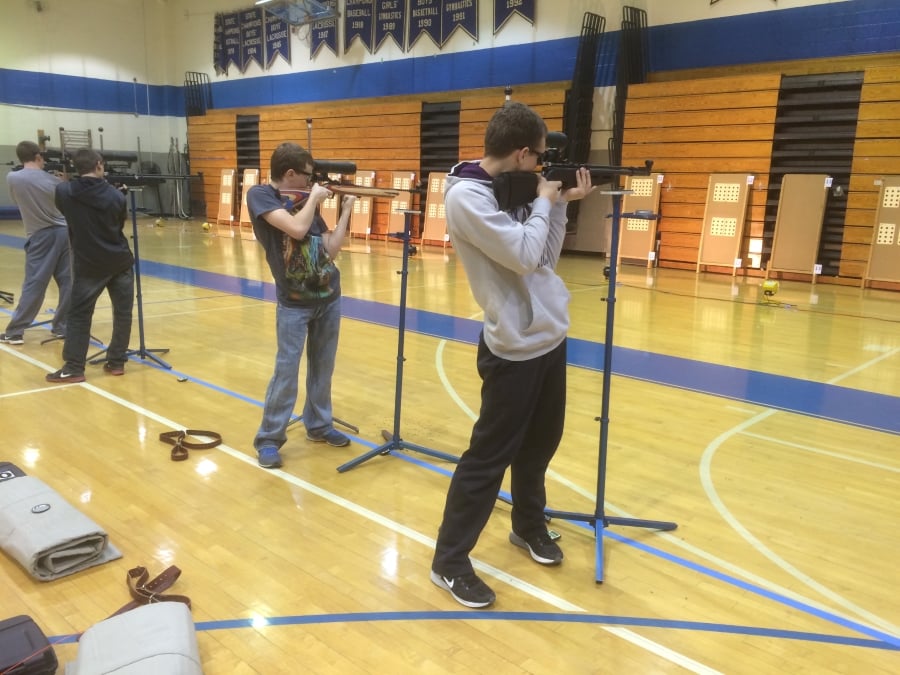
61,376
467,589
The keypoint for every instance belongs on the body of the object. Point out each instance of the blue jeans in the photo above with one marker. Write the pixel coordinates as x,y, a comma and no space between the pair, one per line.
317,328
85,291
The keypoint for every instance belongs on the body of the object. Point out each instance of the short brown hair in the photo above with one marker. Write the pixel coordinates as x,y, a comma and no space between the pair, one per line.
289,156
513,126
85,160
27,151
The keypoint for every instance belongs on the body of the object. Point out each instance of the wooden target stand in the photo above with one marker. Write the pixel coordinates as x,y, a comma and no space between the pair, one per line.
798,225
884,255
637,236
723,220
245,224
225,214
435,228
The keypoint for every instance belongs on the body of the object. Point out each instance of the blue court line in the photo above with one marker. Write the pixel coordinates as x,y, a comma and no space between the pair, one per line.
826,401
883,640
890,641
865,409
546,617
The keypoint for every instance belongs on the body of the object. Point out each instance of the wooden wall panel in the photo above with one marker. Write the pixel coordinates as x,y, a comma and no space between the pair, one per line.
695,128
876,153
726,109
380,134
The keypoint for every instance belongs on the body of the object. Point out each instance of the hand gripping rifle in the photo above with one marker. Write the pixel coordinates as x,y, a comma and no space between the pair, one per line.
517,188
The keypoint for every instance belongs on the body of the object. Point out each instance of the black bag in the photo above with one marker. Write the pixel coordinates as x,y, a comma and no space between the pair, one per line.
24,649
8,470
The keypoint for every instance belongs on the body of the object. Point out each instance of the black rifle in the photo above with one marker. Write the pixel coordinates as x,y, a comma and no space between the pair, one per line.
517,188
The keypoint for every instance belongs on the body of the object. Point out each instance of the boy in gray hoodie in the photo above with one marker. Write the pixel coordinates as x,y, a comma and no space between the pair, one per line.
510,259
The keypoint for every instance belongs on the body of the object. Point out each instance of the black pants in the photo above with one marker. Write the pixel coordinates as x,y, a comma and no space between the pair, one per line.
85,291
523,406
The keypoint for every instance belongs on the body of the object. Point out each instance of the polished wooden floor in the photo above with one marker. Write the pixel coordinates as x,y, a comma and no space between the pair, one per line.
768,431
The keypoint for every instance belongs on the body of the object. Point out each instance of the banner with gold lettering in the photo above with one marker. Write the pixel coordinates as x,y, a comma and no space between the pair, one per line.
278,39
358,23
424,17
324,32
251,38
459,14
231,33
504,9
390,19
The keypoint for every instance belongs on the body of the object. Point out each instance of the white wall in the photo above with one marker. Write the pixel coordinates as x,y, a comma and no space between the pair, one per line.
121,40
191,30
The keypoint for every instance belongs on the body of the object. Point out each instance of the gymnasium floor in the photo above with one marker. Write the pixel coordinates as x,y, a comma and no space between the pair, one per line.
767,429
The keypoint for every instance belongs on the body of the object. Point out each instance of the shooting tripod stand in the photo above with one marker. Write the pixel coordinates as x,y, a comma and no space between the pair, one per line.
598,519
393,439
142,350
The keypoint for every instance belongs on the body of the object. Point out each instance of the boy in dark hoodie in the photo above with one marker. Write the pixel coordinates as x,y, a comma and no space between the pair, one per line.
102,259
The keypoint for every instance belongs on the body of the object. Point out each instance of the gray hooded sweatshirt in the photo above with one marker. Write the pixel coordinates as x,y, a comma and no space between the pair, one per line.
510,259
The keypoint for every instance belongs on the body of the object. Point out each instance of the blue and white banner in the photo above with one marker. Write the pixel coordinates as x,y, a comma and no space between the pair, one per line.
324,33
390,20
278,39
358,23
504,9
459,14
251,38
424,17
220,63
231,32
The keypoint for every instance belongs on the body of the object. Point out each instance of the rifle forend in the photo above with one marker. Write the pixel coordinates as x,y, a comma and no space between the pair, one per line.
517,188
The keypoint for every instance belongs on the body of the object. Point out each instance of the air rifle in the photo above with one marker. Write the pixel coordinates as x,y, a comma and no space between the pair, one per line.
517,188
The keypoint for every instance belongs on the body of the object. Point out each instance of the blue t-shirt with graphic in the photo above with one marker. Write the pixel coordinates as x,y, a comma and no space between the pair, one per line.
304,273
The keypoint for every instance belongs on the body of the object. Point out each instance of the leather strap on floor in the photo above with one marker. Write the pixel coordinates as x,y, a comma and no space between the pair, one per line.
181,446
145,591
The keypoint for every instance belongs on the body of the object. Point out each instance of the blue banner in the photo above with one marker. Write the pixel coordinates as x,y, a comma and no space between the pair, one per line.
220,63
231,31
504,9
358,23
324,32
459,14
251,37
278,39
424,17
390,20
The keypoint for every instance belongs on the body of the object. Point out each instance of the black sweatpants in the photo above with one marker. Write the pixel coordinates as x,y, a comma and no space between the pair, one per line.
523,406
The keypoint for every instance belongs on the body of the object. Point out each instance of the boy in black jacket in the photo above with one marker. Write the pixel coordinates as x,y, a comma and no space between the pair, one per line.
102,259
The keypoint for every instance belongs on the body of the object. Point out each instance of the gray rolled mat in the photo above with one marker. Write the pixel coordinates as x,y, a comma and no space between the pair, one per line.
45,534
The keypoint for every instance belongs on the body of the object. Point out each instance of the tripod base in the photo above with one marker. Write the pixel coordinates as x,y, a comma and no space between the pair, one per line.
142,353
347,425
601,522
394,442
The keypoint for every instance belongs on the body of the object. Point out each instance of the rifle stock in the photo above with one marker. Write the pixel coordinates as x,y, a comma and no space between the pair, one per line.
517,188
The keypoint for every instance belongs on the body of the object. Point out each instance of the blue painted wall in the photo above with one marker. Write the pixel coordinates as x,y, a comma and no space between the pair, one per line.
832,29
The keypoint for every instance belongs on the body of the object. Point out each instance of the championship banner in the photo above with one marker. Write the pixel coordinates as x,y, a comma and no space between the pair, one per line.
504,9
459,14
220,63
324,32
278,40
390,20
424,17
358,23
251,38
231,31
